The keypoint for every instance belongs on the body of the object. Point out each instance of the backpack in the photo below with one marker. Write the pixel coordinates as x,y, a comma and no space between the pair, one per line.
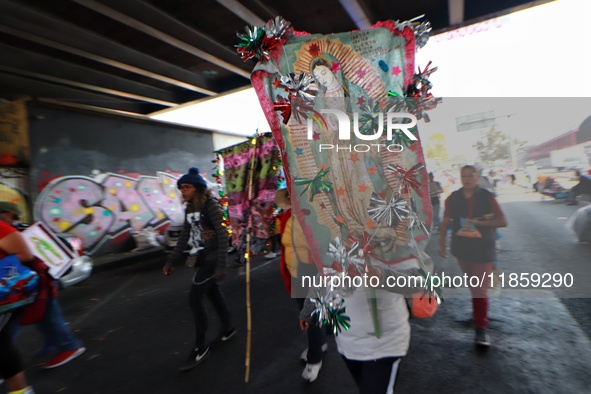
18,284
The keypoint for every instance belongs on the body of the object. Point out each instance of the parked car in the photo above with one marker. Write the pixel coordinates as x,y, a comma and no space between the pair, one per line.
82,265
171,236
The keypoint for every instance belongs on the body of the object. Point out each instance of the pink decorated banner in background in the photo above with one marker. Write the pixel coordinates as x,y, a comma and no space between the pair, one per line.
257,212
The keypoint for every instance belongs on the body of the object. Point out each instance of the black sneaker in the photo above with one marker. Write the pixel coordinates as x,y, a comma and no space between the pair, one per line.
195,358
238,263
481,338
224,337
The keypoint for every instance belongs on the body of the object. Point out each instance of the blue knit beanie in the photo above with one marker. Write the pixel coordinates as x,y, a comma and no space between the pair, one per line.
192,178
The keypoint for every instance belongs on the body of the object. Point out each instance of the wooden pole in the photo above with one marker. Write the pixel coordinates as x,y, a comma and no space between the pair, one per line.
253,141
248,314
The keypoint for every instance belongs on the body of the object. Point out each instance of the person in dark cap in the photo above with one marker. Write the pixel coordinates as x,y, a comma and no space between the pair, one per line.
207,239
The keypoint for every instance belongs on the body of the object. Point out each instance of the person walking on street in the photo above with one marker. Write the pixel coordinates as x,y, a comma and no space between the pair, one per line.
275,239
11,365
435,191
294,264
373,360
475,214
54,329
207,239
583,187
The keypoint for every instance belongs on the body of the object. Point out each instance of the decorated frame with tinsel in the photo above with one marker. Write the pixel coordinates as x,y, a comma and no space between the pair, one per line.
359,193
356,206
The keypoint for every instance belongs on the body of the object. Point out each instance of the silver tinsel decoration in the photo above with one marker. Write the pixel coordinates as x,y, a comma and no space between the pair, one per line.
415,222
391,213
421,30
329,310
278,28
301,85
345,258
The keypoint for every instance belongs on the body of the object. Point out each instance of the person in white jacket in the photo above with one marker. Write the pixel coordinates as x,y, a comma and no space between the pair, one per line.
371,355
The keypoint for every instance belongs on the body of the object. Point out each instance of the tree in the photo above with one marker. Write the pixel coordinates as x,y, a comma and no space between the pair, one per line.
436,149
495,145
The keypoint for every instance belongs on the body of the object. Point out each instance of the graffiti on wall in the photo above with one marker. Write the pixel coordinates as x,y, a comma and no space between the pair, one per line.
100,209
12,186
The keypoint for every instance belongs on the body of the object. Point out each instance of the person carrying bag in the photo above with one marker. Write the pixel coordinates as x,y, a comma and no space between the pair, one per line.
15,279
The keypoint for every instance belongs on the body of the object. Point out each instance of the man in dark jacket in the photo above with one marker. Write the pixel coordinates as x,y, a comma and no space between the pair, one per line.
475,215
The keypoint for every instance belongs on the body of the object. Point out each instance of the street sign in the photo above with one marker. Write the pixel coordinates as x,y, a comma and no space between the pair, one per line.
483,120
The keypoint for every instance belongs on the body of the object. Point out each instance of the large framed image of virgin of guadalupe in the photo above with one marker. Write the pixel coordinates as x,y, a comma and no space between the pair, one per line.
359,191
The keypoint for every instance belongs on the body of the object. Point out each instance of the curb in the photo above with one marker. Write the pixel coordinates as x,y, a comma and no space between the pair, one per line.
115,260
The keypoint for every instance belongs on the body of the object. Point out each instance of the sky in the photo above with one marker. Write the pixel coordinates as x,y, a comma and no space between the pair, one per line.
532,65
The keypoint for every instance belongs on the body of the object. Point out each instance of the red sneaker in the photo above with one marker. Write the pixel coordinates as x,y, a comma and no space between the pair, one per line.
63,357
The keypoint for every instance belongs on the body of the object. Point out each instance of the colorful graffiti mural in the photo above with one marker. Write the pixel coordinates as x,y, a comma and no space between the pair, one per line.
102,208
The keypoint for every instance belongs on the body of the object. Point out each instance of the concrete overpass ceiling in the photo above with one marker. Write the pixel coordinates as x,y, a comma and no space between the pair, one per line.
142,56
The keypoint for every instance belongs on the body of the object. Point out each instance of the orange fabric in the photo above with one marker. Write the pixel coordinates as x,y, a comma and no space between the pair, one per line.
283,221
296,247
276,226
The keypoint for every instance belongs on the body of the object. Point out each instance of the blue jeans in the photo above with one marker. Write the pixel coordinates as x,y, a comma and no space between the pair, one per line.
436,216
53,328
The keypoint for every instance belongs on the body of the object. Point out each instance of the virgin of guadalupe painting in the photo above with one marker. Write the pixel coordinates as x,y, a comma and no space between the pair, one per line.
360,200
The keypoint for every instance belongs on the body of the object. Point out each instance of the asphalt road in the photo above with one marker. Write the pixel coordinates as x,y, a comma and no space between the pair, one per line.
137,328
